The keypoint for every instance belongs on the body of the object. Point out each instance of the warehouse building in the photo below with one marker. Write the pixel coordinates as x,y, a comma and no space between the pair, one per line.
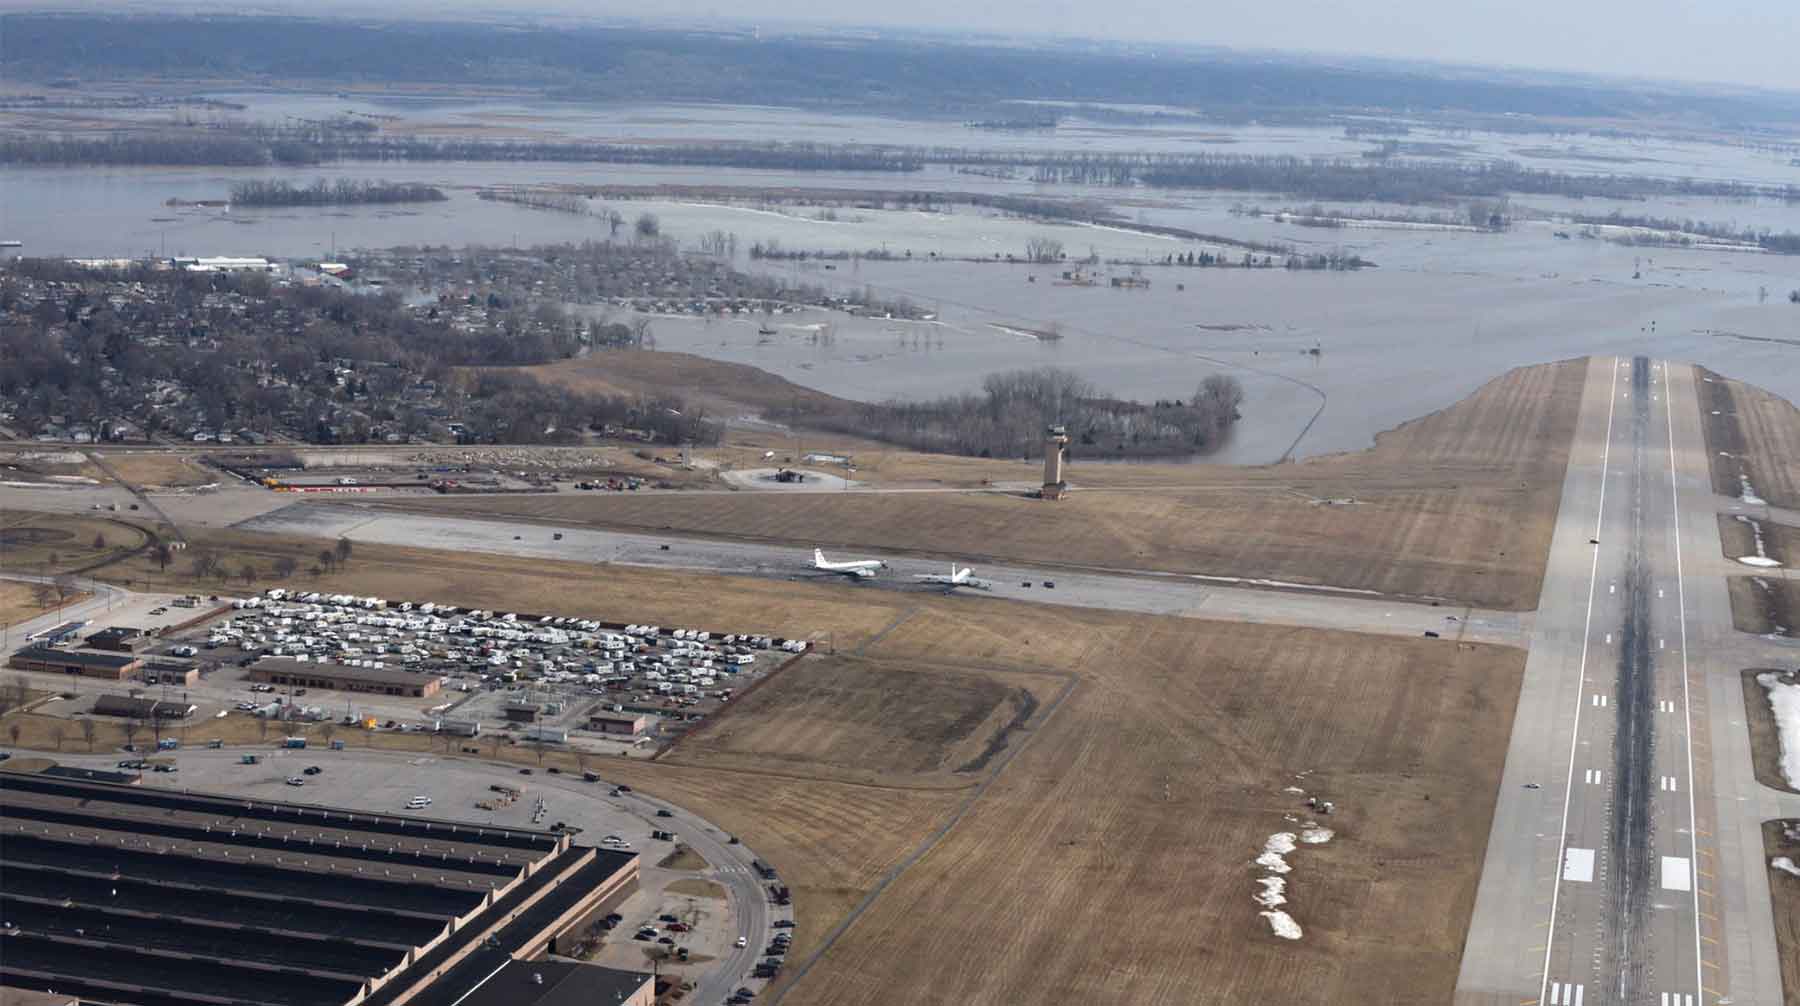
119,639
196,898
618,724
86,663
288,672
170,671
142,709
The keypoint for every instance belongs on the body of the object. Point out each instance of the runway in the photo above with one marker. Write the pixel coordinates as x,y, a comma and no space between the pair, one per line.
1622,866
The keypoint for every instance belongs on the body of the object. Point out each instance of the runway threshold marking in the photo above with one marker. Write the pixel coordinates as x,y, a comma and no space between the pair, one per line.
1587,633
1566,995
1593,776
1578,865
1599,700
1677,874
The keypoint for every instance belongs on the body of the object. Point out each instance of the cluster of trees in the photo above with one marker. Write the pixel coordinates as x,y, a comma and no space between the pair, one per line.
1010,415
559,202
510,407
343,192
256,145
1782,243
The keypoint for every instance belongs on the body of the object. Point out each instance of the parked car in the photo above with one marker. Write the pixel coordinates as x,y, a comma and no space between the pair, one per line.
664,813
783,923
294,780
742,941
313,770
666,917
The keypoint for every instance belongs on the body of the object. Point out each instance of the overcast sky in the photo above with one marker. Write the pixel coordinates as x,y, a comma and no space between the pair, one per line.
1733,41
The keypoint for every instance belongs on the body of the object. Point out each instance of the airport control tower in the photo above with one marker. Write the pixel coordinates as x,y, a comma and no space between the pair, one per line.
1056,449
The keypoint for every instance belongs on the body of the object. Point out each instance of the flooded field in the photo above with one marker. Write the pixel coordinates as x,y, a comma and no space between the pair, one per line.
1328,359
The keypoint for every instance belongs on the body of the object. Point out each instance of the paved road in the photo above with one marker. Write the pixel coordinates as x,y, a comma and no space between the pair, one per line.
1634,873
1189,596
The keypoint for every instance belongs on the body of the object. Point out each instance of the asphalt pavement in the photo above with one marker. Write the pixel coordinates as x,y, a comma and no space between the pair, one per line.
1623,865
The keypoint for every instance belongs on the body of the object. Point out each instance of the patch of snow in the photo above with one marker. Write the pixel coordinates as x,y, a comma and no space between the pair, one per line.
1273,862
1283,924
1784,700
1294,789
1760,561
1271,896
1785,865
1749,492
1281,843
1316,836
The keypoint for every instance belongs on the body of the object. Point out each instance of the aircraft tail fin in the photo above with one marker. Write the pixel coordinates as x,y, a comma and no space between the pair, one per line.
818,557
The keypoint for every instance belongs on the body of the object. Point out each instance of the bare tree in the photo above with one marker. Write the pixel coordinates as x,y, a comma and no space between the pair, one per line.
247,572
581,759
342,551
99,541
614,221
203,564
538,747
19,690
647,226
131,726
1044,249
58,730
285,566
88,729
641,337
13,730
262,728
494,740
1219,397
44,594
163,555
327,559
326,730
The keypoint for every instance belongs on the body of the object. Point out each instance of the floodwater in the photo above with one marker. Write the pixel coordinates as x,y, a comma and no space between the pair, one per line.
1362,352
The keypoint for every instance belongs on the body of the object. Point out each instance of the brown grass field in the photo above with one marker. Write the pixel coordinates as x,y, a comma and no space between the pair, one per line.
711,383
872,721
1110,861
1784,889
1764,604
18,602
1456,505
145,469
1755,434
1765,741
43,543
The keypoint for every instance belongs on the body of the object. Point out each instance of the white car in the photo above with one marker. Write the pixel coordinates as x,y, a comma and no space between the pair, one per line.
743,942
294,780
418,802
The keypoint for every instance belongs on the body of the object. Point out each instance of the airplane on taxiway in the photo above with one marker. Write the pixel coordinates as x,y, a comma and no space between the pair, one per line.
964,577
861,568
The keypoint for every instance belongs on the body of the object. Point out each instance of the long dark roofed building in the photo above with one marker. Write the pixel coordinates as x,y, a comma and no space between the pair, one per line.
123,894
